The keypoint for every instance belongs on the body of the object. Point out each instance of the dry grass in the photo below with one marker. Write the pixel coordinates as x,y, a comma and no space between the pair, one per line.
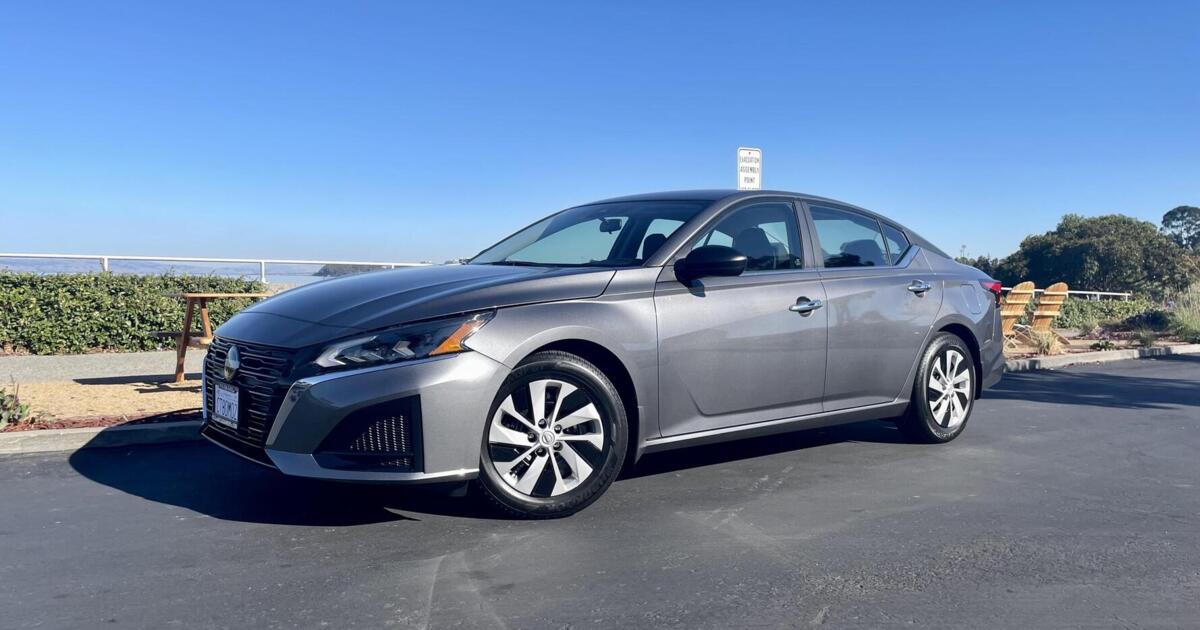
71,399
1046,343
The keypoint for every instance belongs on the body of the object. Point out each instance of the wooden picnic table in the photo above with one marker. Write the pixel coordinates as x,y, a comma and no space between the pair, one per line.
187,337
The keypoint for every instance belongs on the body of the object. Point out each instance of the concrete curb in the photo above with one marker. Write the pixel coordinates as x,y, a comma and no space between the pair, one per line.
1105,356
72,439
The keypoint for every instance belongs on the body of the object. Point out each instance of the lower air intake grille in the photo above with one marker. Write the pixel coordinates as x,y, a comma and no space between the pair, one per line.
383,437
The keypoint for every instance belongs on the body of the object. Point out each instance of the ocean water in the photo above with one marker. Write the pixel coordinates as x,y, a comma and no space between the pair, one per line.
277,274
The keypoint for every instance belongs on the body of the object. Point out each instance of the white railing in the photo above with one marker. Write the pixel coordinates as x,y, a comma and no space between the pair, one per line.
1089,295
261,262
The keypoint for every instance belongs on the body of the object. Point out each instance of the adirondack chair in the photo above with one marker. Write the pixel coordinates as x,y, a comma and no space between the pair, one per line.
1048,308
1013,309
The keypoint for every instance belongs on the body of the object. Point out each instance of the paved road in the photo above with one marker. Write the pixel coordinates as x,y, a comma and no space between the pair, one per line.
1072,500
105,367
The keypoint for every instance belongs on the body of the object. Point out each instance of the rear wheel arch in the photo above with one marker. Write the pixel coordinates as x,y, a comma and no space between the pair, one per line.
968,338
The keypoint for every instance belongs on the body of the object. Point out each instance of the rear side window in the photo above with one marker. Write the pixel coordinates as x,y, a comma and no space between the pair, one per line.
849,239
897,243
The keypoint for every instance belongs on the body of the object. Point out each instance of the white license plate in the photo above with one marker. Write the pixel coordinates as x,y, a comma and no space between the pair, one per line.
225,405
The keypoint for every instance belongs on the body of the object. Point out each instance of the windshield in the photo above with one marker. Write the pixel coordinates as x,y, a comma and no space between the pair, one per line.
601,235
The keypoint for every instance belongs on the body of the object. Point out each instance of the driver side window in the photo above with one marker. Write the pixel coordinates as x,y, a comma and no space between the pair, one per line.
766,233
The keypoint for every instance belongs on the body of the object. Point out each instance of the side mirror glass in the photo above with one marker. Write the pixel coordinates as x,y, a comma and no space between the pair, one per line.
710,260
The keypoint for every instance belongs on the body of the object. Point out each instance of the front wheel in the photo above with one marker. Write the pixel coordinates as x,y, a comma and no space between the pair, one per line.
943,392
555,437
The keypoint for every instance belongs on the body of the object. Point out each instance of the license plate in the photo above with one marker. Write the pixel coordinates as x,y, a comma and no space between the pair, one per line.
225,405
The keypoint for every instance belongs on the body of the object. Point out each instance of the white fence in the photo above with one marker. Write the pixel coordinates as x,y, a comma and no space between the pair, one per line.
104,260
1089,295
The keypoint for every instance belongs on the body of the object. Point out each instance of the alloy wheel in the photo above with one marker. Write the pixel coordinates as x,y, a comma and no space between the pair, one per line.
950,388
546,438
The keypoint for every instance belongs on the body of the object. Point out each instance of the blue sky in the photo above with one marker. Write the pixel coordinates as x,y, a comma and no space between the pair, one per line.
413,131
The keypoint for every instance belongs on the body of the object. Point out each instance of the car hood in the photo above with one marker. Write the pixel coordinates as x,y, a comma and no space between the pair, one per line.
335,308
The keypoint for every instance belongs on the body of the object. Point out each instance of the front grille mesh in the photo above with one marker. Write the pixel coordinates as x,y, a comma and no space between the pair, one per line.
386,435
260,383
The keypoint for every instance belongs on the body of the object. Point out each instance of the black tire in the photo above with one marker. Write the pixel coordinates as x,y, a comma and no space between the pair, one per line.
922,422
567,449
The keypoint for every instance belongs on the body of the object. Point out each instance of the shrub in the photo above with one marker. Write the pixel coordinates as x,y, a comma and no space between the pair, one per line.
1156,320
1076,311
70,313
1185,315
1088,325
12,410
1145,337
1045,342
1104,344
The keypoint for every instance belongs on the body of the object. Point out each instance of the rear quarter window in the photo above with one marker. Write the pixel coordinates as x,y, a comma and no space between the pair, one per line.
897,243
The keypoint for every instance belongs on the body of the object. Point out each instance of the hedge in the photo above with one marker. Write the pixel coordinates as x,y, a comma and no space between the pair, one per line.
73,313
1075,311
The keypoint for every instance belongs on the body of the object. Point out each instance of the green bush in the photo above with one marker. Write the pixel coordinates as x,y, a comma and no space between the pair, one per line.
1076,312
1155,319
71,313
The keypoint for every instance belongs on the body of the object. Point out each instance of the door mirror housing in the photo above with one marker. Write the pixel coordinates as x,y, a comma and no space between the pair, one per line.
710,260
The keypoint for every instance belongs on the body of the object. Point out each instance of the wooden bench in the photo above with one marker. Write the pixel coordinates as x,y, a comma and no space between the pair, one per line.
187,338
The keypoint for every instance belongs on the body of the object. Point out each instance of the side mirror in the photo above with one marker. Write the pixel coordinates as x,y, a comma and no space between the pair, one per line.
710,260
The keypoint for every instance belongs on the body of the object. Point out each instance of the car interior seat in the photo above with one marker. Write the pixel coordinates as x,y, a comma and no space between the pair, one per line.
651,244
754,244
867,251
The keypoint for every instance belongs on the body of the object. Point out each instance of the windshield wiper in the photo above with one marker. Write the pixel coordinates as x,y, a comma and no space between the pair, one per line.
519,263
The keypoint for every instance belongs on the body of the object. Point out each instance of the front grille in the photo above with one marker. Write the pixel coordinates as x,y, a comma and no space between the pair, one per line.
385,436
261,383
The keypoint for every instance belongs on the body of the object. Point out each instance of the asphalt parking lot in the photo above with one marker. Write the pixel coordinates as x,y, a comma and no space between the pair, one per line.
1072,500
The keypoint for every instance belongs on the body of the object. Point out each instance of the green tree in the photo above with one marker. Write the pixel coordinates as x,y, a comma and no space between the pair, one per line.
985,264
1107,253
1182,224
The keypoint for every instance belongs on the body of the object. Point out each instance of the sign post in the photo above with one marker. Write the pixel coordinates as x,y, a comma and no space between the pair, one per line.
749,168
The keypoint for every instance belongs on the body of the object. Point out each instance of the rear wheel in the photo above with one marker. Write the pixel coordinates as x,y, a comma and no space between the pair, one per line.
943,391
555,437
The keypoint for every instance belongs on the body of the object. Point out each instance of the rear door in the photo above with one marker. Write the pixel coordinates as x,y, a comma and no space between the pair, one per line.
731,350
881,303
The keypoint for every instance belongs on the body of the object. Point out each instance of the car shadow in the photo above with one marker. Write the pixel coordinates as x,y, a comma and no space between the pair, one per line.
201,477
1081,386
877,431
204,478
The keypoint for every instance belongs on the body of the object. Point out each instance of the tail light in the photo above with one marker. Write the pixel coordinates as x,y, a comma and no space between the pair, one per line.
994,287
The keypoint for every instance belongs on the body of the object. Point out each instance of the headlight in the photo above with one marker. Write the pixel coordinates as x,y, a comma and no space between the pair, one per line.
415,341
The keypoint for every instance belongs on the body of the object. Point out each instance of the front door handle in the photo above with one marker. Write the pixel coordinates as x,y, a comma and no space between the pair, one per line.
919,287
805,306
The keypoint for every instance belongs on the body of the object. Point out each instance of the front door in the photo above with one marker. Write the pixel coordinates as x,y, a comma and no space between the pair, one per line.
881,304
738,350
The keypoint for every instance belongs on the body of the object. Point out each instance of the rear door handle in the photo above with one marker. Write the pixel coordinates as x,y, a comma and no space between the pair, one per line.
805,306
919,287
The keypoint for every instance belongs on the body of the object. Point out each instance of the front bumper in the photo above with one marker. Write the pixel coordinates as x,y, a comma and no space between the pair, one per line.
449,397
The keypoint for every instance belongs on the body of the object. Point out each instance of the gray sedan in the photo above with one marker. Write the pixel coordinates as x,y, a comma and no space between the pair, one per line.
602,333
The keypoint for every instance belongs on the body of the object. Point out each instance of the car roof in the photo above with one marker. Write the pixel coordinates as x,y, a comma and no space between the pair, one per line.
730,195
725,194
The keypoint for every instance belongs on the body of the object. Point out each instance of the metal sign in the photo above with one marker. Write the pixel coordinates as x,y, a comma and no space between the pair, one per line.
749,168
